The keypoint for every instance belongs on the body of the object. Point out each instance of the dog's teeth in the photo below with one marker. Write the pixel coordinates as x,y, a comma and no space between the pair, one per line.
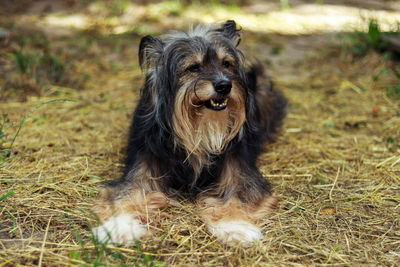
218,103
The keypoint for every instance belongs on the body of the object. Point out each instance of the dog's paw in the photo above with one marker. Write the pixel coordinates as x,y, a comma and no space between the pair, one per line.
232,232
120,230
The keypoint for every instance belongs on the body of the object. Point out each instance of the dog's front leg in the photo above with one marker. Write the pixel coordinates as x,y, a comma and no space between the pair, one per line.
126,209
229,221
241,199
126,219
234,221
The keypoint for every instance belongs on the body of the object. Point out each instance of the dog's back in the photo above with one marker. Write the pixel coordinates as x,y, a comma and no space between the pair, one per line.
270,107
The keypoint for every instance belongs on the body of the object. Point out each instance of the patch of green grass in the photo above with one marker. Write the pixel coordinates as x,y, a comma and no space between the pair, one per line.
361,43
4,151
393,92
54,67
25,62
33,64
96,255
147,260
34,39
40,66
374,36
12,219
390,140
118,7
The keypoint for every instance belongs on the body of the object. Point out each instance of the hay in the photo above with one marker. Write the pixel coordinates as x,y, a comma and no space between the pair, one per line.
336,167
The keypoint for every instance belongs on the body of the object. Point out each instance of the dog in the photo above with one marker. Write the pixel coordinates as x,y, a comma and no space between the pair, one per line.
200,124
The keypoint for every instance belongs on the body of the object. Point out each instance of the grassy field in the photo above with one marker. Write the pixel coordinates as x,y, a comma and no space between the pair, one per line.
69,81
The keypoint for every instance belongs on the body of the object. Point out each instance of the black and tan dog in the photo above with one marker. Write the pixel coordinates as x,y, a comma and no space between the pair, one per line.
202,119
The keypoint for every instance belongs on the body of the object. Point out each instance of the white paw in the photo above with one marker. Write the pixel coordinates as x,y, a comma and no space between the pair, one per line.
241,232
121,230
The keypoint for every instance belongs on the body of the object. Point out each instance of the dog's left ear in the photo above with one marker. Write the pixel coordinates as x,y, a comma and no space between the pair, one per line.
230,31
150,49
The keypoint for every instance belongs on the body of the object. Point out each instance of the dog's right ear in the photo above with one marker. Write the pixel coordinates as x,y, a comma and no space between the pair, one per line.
150,49
229,30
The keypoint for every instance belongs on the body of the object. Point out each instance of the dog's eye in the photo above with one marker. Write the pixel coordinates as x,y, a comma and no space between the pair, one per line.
226,64
194,68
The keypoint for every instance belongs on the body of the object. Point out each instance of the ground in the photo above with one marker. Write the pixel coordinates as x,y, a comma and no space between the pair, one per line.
336,165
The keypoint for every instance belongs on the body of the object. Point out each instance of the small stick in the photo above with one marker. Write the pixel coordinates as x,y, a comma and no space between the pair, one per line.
334,183
44,242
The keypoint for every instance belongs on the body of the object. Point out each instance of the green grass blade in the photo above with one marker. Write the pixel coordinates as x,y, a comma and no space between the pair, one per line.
9,194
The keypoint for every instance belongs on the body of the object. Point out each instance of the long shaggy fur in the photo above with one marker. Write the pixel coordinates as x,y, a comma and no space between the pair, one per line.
179,145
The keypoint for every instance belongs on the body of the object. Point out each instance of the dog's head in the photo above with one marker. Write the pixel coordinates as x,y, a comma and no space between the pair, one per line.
196,84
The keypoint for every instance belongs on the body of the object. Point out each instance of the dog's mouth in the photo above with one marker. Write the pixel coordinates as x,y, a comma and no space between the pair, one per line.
216,104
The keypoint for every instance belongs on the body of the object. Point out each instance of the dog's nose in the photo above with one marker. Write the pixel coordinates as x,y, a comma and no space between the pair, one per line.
223,87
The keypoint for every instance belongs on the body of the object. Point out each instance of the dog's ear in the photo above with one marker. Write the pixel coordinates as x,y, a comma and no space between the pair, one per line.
230,31
150,49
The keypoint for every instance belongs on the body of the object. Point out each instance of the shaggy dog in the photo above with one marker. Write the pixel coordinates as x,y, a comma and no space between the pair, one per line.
203,116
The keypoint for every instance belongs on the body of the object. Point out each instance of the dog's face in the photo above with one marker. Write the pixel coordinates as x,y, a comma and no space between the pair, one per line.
197,80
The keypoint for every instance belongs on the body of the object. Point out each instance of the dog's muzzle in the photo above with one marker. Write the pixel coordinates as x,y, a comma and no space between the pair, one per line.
222,88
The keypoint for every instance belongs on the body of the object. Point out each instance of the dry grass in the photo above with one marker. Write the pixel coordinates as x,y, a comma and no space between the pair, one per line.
336,167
